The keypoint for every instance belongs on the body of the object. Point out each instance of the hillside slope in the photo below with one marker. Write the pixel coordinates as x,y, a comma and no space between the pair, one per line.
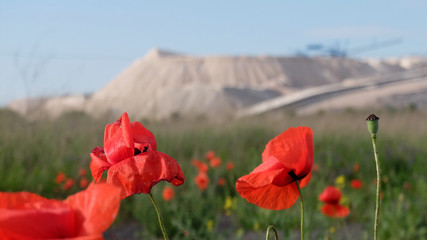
164,84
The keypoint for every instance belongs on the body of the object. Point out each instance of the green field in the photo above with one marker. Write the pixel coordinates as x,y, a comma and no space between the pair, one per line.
32,153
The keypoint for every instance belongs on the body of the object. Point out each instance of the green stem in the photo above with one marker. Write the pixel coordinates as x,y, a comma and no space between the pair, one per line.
378,200
159,217
271,227
302,210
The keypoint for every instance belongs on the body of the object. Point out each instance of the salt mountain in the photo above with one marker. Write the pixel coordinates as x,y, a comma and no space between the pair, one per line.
164,84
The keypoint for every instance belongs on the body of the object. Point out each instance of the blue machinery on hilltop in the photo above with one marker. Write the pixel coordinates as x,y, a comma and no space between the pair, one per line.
338,50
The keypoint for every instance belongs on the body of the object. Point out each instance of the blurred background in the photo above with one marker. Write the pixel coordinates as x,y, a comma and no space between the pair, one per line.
223,77
178,57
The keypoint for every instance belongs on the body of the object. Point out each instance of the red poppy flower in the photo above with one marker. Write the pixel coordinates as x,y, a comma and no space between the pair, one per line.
331,197
203,167
168,193
315,168
68,184
210,155
129,154
286,158
60,177
356,184
407,185
83,182
356,167
82,172
202,181
215,162
82,216
230,166
221,182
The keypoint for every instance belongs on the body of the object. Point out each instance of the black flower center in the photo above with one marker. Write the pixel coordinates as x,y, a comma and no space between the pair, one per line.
294,176
137,151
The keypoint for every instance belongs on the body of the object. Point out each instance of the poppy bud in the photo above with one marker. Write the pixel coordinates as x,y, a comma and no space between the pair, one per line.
372,122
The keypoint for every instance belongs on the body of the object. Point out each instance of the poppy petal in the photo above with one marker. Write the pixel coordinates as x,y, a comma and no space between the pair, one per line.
95,208
97,236
203,167
141,172
98,163
294,148
335,210
142,136
356,184
268,172
17,200
304,181
54,219
330,195
118,140
202,181
269,196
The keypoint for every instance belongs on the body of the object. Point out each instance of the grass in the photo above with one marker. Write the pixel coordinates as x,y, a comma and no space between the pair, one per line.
32,153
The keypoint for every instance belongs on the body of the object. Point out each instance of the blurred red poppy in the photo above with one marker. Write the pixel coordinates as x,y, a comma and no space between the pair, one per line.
168,193
202,181
331,197
84,215
221,182
356,184
209,155
230,166
68,184
407,185
60,177
356,167
129,154
83,182
315,168
286,158
82,172
203,167
215,162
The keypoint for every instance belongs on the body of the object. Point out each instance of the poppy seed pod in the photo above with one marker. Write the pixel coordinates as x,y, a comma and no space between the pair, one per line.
372,122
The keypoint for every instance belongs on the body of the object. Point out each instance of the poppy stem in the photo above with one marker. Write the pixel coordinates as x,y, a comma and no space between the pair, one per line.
271,227
162,227
302,210
378,199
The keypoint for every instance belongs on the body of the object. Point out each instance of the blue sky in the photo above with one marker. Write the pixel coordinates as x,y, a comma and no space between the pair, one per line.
59,47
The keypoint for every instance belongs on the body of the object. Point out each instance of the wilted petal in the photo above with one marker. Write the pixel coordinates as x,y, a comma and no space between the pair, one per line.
118,140
98,163
95,208
139,173
142,136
